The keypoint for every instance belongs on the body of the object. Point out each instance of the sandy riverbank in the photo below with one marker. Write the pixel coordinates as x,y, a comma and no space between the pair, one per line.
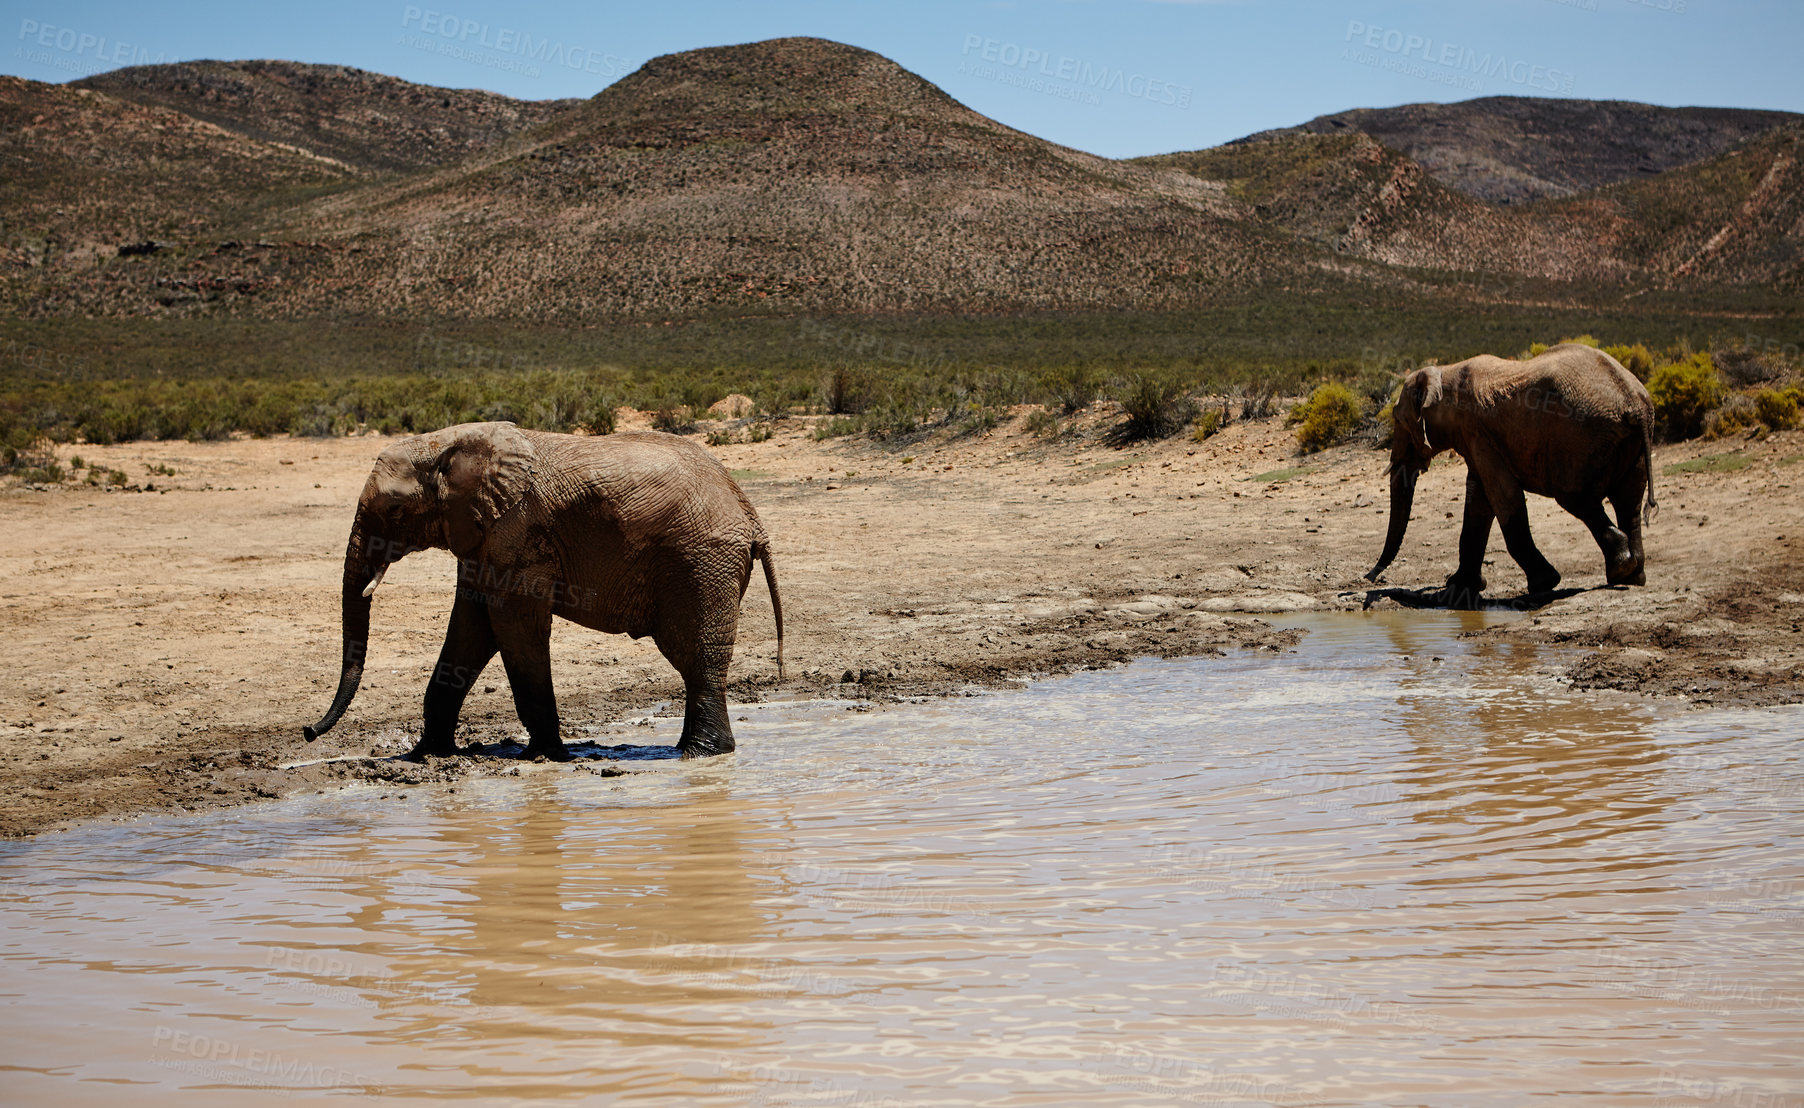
168,644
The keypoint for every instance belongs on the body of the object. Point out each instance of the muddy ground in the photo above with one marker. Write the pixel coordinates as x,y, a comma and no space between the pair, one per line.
167,641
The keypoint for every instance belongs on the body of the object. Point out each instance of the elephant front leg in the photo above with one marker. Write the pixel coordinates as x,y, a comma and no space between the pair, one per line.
469,644
1505,493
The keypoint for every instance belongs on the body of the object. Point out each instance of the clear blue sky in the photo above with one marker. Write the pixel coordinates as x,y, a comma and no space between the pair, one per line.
1115,77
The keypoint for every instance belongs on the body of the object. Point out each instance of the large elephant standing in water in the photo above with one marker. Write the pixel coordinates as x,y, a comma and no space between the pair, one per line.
638,533
1570,423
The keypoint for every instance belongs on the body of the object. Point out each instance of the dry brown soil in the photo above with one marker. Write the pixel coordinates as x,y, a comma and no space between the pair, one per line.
167,642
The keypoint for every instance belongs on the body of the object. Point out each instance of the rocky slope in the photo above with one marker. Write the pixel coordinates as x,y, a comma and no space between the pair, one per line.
367,120
805,176
1513,149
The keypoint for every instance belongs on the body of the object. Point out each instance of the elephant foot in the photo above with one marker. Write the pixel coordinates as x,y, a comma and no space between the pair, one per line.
550,752
692,746
706,730
1626,572
423,750
1546,581
1463,593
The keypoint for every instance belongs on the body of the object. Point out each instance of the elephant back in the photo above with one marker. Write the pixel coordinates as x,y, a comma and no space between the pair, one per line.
652,484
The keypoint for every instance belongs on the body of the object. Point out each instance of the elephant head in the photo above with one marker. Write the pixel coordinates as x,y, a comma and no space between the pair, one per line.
1411,451
443,489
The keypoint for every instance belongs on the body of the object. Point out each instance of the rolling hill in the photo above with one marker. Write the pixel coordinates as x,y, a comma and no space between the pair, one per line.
1513,149
369,121
801,176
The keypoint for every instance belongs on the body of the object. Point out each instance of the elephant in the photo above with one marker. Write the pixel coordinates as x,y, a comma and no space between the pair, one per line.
642,533
1570,423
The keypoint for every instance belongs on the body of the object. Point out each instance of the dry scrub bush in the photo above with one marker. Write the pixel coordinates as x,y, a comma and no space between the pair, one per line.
1074,387
1743,365
1156,406
1732,417
676,419
1258,401
1041,424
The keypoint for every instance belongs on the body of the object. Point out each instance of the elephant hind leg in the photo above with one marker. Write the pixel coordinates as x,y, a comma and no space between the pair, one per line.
1620,562
1626,499
707,729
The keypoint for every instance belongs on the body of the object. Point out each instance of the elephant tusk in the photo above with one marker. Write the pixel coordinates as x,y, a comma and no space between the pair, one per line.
374,581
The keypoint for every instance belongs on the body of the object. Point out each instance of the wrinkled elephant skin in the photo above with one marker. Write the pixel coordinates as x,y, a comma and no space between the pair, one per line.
1571,424
641,534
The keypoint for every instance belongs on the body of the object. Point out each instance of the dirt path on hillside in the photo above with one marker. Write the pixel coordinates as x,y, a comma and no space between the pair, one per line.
168,643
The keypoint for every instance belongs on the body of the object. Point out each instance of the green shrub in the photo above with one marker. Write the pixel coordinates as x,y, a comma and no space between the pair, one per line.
1041,424
894,419
834,428
1637,359
980,421
1209,423
1684,393
601,419
1535,349
36,463
1778,408
1155,406
760,432
1075,388
1330,414
847,391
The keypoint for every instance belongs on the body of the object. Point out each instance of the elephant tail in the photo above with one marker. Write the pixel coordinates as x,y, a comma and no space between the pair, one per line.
1647,449
761,551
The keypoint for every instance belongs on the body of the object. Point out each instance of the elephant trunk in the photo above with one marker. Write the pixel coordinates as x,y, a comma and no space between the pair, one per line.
361,569
1403,495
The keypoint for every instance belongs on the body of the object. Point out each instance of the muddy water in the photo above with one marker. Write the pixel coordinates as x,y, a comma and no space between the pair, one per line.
1391,868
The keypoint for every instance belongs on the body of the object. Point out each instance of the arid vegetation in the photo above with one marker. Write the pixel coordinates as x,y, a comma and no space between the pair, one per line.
99,381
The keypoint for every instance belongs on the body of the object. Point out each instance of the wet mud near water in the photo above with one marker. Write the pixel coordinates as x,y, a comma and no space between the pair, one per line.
1394,865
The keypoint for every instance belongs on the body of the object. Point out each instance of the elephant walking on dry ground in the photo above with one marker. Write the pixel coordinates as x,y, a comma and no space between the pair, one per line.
644,534
1570,423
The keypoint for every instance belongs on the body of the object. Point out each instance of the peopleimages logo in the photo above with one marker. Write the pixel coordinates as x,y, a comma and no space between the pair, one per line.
1451,57
1086,78
467,39
73,44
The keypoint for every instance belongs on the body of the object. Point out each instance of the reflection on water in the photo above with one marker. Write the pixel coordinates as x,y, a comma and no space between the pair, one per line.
1394,867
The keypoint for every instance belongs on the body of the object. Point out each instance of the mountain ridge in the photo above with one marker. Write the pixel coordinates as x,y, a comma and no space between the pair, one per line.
792,175
1514,149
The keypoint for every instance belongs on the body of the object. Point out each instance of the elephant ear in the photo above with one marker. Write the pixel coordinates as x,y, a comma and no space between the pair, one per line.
482,473
1421,392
